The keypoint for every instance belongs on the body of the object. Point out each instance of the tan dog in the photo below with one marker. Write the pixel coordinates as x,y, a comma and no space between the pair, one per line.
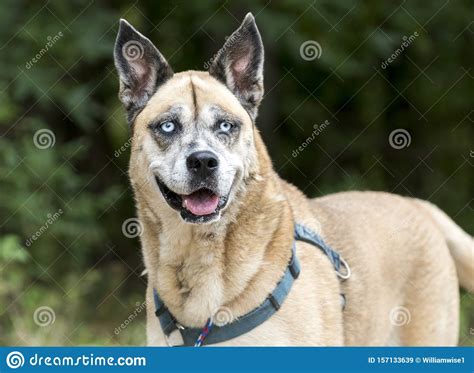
218,221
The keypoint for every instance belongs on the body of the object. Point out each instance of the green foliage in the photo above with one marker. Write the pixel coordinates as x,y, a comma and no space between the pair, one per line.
80,264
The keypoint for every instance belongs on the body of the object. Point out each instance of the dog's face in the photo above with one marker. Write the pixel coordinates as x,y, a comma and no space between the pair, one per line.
194,130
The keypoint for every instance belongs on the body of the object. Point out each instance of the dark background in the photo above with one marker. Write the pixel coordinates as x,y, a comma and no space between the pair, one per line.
82,266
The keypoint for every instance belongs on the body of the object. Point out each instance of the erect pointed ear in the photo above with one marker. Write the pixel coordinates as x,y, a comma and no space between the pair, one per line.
239,65
141,68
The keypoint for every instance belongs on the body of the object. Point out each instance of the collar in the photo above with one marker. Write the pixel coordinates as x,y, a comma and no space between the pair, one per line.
212,334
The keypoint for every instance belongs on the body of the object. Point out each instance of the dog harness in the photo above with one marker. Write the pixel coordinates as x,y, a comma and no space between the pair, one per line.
213,333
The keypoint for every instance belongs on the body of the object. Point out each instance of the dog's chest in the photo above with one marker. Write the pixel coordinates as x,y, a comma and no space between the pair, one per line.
189,275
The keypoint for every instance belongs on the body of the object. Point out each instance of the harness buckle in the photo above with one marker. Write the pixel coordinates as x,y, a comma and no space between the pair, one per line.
274,302
347,273
294,267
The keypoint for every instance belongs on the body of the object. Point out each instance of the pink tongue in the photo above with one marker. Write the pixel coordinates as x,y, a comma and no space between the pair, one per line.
201,203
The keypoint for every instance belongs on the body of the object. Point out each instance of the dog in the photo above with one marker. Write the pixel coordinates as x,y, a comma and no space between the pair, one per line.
219,223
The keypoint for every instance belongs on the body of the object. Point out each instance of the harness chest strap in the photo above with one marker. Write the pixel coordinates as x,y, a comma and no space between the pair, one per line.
249,321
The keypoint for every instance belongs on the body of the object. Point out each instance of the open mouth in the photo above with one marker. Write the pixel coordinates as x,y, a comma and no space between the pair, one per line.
201,206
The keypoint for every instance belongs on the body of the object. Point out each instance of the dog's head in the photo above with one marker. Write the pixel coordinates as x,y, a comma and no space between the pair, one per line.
193,132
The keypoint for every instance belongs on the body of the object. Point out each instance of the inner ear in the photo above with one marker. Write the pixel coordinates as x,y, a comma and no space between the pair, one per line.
239,65
141,68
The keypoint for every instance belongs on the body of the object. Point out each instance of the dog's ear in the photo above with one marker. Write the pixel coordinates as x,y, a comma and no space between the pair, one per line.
141,68
239,65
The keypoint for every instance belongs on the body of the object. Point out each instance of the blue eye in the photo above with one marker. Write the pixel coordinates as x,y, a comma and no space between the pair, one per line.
167,126
225,126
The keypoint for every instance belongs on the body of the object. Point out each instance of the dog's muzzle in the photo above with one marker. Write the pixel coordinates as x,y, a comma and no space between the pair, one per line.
201,206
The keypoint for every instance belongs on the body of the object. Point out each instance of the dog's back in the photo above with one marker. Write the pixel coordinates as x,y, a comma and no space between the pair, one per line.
404,288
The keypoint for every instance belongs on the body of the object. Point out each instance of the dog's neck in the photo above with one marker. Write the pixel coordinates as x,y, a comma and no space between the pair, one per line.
231,265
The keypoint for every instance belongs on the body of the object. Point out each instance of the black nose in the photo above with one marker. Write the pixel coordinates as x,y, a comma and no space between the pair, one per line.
202,163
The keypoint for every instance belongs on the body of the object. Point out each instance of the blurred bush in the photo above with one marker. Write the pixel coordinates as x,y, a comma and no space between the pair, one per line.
63,177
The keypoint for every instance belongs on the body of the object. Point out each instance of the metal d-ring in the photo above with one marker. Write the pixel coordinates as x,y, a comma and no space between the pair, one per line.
348,272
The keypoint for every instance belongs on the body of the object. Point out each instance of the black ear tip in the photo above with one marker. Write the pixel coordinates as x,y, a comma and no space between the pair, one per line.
124,23
249,24
250,27
125,26
249,19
